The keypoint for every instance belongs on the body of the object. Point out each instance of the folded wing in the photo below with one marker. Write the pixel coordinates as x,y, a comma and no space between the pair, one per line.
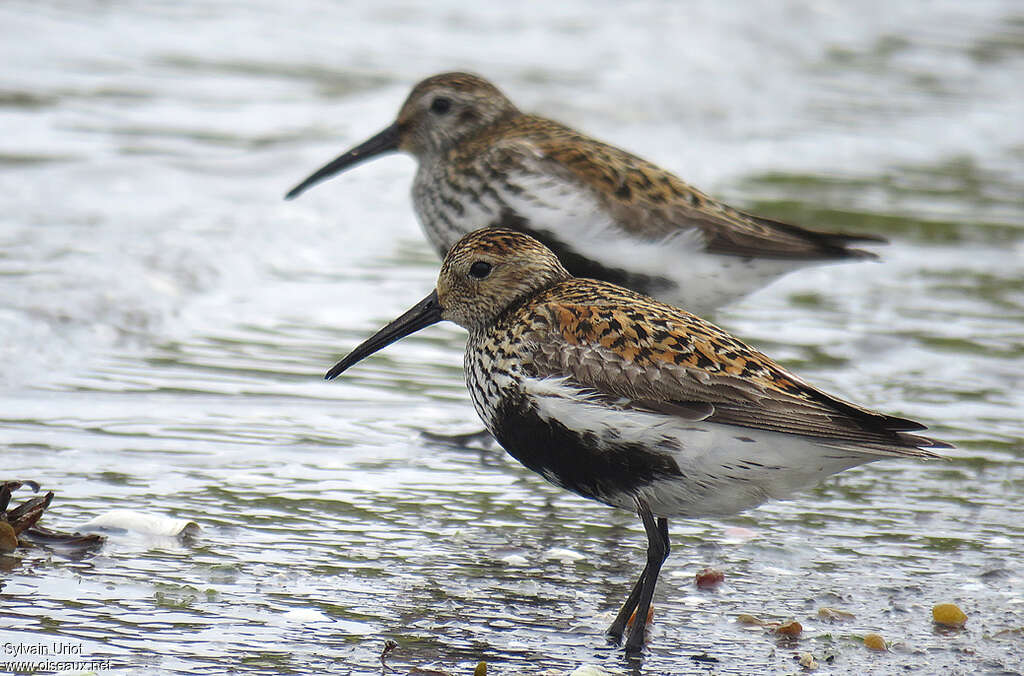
646,355
644,199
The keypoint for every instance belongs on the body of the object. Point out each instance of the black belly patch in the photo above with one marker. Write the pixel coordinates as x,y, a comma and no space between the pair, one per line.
570,460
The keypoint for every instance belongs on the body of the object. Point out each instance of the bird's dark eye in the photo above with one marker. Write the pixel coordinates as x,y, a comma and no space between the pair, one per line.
440,105
479,270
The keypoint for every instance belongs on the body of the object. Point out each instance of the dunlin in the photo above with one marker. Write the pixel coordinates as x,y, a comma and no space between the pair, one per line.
607,214
632,402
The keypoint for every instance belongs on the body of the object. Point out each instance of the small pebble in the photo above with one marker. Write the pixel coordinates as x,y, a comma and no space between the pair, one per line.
481,669
949,615
791,628
590,670
8,539
833,614
709,577
875,642
562,554
515,560
740,534
807,661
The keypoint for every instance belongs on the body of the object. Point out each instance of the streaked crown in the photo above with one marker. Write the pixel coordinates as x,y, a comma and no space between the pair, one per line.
491,270
444,109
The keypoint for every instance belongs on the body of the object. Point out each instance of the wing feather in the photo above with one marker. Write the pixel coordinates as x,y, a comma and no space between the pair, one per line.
644,199
647,355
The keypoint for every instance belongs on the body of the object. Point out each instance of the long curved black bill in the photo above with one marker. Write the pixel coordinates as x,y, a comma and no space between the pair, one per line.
384,142
421,315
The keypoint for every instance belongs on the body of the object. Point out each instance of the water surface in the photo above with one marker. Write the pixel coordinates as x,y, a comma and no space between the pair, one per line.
166,318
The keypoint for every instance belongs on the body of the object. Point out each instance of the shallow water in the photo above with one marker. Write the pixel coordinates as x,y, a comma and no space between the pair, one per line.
166,318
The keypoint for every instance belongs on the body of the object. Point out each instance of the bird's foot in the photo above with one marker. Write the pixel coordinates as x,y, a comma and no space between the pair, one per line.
636,639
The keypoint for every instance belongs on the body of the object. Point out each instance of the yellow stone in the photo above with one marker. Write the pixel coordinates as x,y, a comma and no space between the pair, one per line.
949,615
8,540
874,642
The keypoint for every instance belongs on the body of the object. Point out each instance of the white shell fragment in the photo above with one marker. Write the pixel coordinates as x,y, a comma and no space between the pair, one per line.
139,522
305,616
514,560
563,555
590,670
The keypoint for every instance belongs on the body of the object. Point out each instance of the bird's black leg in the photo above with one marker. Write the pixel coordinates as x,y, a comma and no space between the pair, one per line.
657,552
663,529
639,599
619,624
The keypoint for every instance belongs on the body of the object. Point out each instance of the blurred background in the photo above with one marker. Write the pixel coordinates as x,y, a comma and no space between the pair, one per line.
165,319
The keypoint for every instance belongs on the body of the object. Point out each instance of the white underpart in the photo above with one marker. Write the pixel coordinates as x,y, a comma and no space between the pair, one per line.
701,282
710,456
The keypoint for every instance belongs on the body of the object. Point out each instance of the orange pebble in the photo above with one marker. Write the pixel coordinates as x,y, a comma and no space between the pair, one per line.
709,577
792,628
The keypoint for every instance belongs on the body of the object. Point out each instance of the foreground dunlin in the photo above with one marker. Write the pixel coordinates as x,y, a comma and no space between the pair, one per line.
634,403
607,214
